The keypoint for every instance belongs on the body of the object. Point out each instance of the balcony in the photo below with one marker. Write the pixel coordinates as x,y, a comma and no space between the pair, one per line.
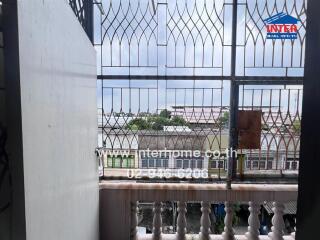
118,200
170,75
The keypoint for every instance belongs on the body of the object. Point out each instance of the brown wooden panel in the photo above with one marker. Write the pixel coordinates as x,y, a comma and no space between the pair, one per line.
249,129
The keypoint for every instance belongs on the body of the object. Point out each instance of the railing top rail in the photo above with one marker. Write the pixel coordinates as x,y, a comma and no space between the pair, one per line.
201,192
195,186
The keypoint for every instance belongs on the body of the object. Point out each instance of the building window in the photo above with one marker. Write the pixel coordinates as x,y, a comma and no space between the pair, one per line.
292,163
257,162
120,162
217,164
179,163
150,162
144,163
189,162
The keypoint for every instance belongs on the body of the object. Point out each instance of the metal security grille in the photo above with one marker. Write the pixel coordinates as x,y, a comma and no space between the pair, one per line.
172,115
173,74
281,124
83,9
257,55
164,38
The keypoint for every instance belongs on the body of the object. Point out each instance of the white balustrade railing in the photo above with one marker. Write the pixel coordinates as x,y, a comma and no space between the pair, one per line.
182,221
118,209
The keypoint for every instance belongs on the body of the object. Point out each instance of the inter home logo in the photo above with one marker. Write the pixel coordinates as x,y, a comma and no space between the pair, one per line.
281,26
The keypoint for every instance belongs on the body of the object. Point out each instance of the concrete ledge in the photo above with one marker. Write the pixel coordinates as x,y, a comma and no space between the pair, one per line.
200,192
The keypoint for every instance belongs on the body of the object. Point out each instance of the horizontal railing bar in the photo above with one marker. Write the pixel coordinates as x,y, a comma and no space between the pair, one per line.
194,88
269,80
163,77
142,88
177,88
277,80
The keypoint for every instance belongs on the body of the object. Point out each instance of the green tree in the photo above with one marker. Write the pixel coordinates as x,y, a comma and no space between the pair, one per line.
223,120
156,122
178,121
265,127
165,113
143,114
138,124
296,125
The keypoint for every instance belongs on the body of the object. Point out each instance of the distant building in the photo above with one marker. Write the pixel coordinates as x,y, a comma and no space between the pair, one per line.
279,145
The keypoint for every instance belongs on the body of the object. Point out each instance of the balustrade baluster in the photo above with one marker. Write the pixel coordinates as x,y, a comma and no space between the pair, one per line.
181,221
277,222
134,221
253,221
293,235
228,233
205,221
157,221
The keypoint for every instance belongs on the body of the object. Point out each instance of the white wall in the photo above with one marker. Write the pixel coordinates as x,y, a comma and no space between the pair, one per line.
59,126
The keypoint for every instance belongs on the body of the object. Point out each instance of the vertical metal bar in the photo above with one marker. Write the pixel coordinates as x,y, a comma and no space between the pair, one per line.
89,19
234,100
102,99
